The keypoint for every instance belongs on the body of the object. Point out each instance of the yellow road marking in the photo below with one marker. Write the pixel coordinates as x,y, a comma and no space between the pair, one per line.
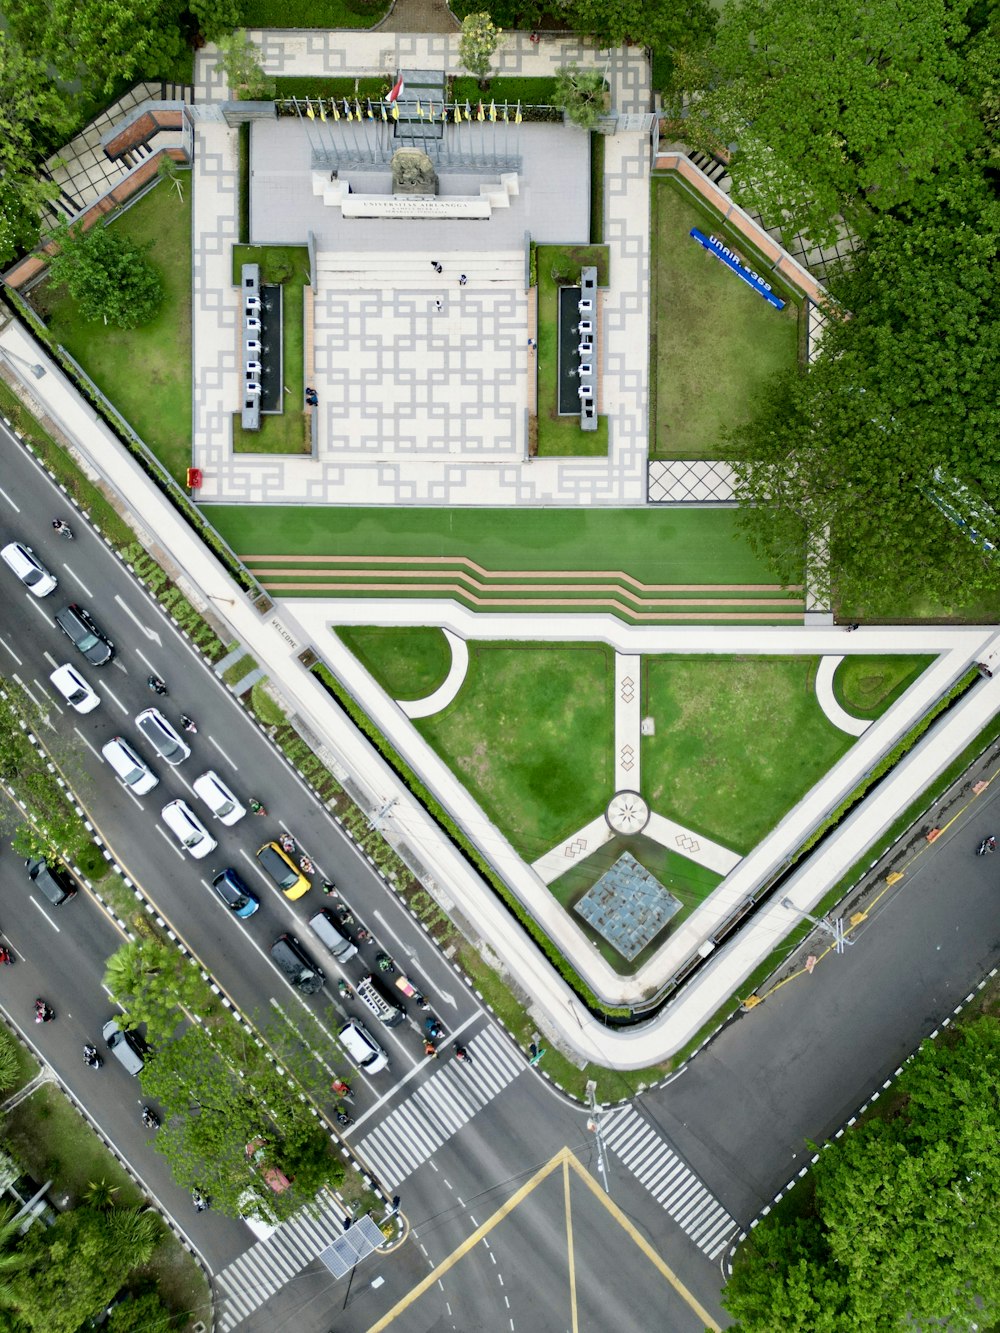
567,1160
571,1258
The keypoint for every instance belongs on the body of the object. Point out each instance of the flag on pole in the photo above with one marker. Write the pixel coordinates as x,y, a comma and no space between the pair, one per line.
347,110
395,91
480,113
457,114
357,109
517,113
334,108
430,112
322,111
505,113
385,114
420,109
371,113
493,111
395,110
309,110
468,111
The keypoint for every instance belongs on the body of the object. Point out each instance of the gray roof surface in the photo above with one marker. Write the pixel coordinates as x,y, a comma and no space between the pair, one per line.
553,203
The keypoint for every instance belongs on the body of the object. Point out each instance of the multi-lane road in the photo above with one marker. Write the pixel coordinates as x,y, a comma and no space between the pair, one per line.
501,1180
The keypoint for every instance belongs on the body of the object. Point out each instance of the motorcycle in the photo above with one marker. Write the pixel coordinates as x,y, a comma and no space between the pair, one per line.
200,1201
256,807
90,1057
188,723
343,1118
62,527
987,845
149,1118
157,685
345,991
44,1013
385,963
342,1089
433,1029
6,956
462,1054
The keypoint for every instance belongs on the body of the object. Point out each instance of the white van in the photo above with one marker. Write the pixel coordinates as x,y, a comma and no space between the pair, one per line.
363,1049
188,829
322,926
128,766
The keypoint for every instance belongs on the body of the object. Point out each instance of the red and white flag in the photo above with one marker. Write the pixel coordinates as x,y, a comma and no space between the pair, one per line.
395,91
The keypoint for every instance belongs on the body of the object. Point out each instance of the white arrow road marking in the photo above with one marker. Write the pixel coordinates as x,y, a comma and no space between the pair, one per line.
149,633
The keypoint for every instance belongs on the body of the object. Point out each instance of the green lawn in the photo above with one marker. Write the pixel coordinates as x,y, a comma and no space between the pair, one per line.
685,879
326,14
867,686
715,343
290,85
695,546
408,662
145,372
503,88
531,736
738,741
558,435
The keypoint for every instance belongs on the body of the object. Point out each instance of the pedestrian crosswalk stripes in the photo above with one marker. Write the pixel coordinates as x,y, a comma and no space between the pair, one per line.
438,1108
672,1184
266,1267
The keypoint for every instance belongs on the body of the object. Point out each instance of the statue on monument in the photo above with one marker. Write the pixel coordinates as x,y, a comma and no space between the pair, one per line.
413,172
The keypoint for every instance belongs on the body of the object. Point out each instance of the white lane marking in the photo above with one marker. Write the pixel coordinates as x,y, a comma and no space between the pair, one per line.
225,756
11,651
33,601
149,633
87,743
118,701
39,908
386,929
170,843
40,706
75,575
10,501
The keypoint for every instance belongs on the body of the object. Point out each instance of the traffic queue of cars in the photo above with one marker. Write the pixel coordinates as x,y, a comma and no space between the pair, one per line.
275,858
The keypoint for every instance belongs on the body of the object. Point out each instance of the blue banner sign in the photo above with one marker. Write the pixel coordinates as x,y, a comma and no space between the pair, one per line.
731,260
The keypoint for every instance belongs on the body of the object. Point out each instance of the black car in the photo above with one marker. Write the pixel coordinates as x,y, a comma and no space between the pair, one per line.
289,955
51,881
77,624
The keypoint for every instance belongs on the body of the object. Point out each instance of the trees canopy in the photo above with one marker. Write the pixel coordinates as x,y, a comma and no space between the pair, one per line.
477,43
902,1230
831,108
580,93
902,406
107,274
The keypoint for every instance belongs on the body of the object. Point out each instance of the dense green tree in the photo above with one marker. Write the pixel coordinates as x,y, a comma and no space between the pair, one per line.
667,24
580,93
143,1312
70,1270
902,406
903,1230
153,982
108,275
831,108
30,105
479,39
240,60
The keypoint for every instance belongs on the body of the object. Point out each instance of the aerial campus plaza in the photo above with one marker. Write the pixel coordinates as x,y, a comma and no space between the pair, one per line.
425,382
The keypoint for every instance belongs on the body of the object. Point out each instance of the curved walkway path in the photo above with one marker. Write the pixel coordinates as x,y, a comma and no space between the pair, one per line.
449,687
854,726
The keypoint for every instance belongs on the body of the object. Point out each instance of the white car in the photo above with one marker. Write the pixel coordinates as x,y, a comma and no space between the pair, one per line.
126,764
188,829
219,799
29,569
74,689
162,736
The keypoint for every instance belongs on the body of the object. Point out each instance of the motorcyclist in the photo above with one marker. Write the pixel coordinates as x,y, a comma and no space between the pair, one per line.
341,1088
188,722
342,1117
256,808
149,1118
43,1013
345,990
91,1058
385,963
157,685
462,1054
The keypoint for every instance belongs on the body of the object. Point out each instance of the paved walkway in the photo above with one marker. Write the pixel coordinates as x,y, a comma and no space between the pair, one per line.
675,837
840,717
471,363
628,718
449,687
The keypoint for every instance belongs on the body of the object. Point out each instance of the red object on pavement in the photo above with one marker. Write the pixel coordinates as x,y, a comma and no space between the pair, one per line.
194,478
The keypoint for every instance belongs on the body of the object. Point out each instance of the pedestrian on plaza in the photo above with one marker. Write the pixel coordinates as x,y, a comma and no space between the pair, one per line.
531,343
438,307
852,628
462,280
437,266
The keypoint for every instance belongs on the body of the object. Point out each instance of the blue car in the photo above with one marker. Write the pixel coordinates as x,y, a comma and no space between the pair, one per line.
234,893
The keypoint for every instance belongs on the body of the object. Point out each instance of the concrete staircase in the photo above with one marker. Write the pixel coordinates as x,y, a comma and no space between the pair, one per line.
369,271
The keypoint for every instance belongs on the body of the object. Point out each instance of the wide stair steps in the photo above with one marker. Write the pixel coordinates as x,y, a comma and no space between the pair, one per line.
369,271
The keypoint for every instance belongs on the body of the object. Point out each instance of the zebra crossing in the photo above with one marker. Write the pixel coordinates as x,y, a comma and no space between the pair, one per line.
266,1267
672,1184
439,1107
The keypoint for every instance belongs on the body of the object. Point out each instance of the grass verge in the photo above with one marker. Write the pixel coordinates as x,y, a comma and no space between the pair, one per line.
326,14
717,344
531,736
720,761
145,372
596,189
562,436
867,686
409,662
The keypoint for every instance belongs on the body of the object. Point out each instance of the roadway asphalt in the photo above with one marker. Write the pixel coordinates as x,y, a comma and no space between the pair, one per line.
796,1067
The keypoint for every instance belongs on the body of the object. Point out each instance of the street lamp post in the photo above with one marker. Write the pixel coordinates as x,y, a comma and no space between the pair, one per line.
37,369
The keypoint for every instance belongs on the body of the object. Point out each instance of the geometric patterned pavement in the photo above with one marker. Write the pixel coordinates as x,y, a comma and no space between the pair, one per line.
694,481
672,1184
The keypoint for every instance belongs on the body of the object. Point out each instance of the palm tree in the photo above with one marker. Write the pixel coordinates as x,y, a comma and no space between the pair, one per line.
100,1194
11,1258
